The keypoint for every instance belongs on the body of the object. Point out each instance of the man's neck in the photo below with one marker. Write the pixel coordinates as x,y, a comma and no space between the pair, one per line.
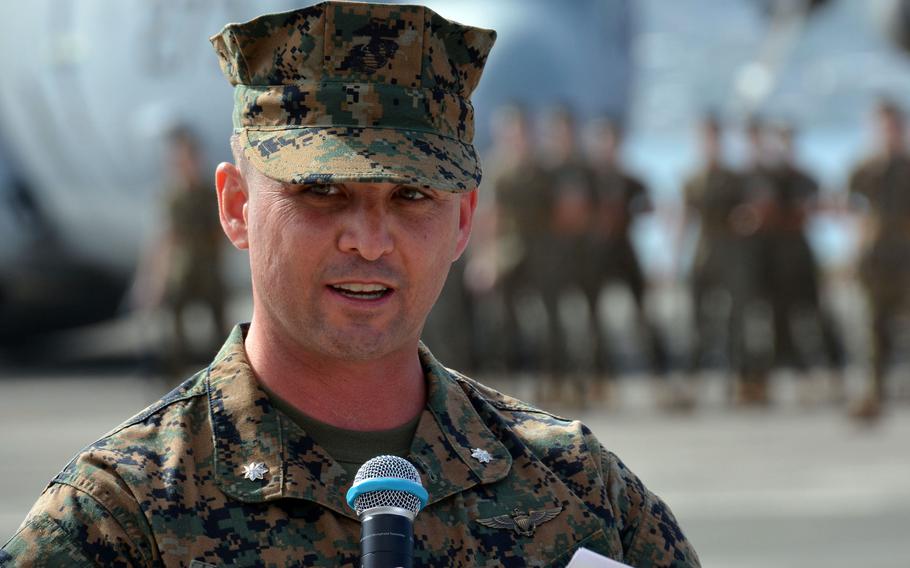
378,394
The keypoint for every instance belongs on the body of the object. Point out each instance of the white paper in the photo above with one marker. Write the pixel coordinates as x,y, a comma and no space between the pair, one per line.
584,558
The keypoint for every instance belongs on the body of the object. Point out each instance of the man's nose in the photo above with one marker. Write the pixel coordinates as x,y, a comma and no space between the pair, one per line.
366,232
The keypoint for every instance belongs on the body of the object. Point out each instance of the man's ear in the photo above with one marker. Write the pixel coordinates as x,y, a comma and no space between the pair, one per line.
233,202
466,207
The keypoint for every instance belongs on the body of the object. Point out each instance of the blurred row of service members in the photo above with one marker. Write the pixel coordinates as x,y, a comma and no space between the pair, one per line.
556,220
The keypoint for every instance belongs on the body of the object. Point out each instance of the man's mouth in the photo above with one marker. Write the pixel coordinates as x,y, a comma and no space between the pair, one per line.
361,291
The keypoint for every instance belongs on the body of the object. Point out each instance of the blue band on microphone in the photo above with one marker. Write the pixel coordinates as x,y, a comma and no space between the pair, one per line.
387,484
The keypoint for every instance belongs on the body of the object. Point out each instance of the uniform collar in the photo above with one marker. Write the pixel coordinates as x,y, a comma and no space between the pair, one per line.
450,431
248,430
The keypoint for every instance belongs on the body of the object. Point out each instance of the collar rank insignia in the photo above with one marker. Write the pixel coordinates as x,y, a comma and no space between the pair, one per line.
482,456
523,523
255,471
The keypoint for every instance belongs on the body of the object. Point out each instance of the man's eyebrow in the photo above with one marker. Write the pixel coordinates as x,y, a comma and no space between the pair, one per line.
298,187
419,188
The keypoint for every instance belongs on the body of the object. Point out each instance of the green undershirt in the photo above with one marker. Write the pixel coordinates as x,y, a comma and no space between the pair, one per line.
350,448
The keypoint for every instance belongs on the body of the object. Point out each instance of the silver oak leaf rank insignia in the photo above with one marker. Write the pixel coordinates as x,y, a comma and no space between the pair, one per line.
255,471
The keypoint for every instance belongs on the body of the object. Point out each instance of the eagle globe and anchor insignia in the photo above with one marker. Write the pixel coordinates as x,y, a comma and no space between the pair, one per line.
523,523
375,54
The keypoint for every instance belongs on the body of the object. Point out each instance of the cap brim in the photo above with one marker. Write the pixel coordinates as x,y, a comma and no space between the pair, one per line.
371,155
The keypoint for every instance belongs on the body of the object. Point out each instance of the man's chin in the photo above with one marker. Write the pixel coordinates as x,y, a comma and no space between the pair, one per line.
364,344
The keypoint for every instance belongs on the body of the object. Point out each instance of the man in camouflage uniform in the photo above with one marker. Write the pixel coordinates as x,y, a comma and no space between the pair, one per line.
790,273
571,197
882,185
620,197
353,193
522,209
724,260
193,246
183,265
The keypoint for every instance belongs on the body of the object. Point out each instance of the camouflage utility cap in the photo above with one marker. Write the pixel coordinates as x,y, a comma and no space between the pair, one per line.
349,92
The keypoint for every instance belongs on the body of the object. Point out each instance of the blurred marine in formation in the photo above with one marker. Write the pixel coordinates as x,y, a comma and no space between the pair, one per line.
572,197
610,257
881,185
184,265
522,209
724,265
790,273
195,242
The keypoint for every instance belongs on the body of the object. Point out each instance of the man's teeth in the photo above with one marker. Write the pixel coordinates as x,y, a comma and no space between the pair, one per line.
361,287
362,291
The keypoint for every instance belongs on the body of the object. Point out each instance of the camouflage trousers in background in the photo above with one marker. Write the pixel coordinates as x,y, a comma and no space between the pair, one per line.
202,285
542,273
727,267
452,324
885,275
790,285
615,261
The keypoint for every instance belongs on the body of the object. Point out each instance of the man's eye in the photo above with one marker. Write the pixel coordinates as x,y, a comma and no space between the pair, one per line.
322,190
411,194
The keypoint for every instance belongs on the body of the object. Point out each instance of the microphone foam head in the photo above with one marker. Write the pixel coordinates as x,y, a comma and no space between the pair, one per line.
387,481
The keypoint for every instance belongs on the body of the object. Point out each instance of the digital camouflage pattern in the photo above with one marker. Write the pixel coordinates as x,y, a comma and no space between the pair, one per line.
619,198
713,195
884,184
345,92
522,191
725,260
790,277
166,488
194,271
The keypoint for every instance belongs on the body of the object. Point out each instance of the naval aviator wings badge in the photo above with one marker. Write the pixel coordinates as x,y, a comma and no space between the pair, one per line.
523,523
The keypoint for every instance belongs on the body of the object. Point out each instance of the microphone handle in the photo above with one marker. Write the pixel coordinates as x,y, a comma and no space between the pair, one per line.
386,541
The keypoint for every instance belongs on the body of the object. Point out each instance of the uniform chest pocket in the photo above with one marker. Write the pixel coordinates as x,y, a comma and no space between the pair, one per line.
515,539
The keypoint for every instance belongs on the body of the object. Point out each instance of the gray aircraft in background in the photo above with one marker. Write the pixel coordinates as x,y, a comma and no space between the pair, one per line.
89,89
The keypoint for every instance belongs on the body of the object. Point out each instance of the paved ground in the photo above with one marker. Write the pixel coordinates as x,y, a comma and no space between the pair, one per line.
786,487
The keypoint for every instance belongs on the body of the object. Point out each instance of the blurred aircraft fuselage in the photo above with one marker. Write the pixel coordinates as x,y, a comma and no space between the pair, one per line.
90,88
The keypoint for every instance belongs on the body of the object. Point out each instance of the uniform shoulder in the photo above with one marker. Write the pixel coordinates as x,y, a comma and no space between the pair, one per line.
494,397
93,507
543,432
147,435
189,389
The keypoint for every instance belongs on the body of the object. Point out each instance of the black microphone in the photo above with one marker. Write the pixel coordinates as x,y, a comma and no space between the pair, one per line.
387,495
